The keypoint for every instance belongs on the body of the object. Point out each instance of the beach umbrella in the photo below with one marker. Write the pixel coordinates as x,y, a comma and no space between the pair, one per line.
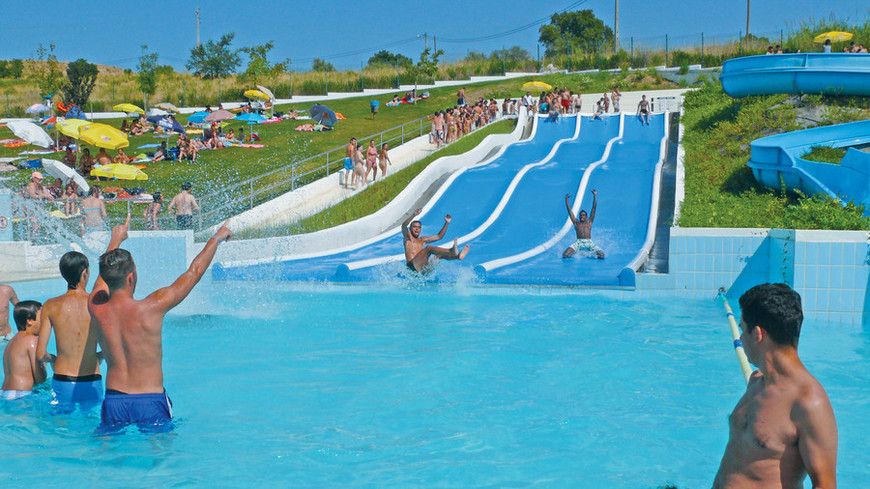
219,115
834,36
256,94
250,117
129,108
36,109
322,115
31,133
50,120
197,117
120,171
103,136
536,85
58,170
167,123
266,91
70,127
167,107
75,112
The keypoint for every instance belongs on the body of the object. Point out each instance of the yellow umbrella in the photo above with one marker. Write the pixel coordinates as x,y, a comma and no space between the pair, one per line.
128,108
834,36
70,127
120,171
256,94
103,136
536,85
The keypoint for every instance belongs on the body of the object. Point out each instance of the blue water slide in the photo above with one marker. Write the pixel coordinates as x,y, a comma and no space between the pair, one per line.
810,73
627,183
778,159
468,195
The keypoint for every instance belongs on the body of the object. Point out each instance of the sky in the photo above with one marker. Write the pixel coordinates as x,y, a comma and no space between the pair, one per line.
347,32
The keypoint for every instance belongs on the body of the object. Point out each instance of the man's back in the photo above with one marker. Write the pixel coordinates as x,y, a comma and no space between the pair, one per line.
129,333
184,203
68,317
18,363
7,296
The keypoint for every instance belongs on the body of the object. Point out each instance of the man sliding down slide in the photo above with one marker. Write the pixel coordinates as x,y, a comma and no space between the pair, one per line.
583,228
417,252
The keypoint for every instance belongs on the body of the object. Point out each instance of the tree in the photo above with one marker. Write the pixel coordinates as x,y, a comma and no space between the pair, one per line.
386,58
147,77
321,65
47,72
259,67
81,78
475,56
579,29
16,69
427,67
215,59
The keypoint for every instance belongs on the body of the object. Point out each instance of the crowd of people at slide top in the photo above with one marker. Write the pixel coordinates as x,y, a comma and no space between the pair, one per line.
827,47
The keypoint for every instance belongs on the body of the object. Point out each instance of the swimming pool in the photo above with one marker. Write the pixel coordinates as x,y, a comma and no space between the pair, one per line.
447,386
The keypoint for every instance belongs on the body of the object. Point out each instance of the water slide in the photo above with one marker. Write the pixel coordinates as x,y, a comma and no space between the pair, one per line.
511,210
470,195
779,158
810,73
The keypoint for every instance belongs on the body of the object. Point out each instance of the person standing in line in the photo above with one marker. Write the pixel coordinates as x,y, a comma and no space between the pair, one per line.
384,159
349,153
183,205
614,97
372,161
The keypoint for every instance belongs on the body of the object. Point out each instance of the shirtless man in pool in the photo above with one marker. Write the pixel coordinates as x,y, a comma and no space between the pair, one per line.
583,228
783,428
417,252
7,296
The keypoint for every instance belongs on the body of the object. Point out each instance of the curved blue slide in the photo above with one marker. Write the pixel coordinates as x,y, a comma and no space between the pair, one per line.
779,158
810,73
470,197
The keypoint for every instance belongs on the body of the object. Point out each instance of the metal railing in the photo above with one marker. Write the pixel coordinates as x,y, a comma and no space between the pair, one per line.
249,193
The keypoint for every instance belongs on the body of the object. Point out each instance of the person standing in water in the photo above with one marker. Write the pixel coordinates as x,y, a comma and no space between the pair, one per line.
130,333
583,230
183,205
417,249
76,378
783,428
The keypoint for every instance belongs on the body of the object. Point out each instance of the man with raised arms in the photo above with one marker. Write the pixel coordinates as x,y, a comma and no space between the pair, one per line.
783,427
76,378
417,251
583,230
129,332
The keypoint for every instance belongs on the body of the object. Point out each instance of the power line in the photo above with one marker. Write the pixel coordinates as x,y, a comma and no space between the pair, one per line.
514,30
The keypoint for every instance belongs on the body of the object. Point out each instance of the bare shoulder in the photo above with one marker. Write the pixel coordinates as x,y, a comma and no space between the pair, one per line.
5,290
811,396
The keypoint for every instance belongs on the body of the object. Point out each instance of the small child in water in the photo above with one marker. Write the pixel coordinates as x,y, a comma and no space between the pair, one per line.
21,369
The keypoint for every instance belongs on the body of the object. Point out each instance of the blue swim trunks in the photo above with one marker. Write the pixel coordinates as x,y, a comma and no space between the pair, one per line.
152,411
68,391
348,164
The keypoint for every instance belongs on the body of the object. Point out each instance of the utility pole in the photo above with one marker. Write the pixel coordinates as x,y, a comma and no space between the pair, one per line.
197,26
616,29
434,43
747,18
426,39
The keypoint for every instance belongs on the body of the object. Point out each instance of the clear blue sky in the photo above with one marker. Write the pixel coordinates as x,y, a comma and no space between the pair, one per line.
348,32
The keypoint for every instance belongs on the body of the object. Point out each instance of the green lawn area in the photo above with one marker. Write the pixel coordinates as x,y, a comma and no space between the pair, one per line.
720,188
215,171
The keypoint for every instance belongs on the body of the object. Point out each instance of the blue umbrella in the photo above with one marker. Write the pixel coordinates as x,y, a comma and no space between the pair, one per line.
322,114
251,117
167,123
75,112
197,117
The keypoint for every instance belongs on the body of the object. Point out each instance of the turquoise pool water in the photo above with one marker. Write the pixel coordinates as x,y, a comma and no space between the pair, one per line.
434,387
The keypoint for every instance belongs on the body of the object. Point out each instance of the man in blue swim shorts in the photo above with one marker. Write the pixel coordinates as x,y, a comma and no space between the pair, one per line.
583,230
130,334
349,152
76,379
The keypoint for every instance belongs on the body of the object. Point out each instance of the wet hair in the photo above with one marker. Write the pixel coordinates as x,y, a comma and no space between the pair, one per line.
158,197
115,265
777,309
416,222
25,311
93,191
72,264
186,186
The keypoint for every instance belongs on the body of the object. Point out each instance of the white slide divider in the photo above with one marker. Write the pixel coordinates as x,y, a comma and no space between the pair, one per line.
627,275
581,190
356,265
324,241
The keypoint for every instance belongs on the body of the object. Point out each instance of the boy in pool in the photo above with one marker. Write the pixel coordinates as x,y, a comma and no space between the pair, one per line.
130,333
783,428
417,252
583,229
21,369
